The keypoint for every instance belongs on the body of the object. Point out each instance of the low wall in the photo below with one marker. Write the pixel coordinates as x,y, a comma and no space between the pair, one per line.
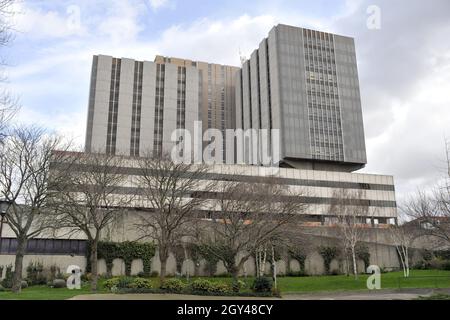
382,255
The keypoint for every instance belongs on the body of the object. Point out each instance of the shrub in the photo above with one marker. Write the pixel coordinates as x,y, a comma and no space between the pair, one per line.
8,281
55,272
35,274
296,274
238,285
141,283
334,272
59,283
219,287
262,284
206,286
111,283
24,284
435,264
201,285
173,285
420,265
125,282
446,265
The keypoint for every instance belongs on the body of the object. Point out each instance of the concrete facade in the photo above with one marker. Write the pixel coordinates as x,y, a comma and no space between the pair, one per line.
305,83
134,106
318,187
381,254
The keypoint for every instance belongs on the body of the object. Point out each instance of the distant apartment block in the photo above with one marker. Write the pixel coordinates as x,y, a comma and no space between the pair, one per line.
134,106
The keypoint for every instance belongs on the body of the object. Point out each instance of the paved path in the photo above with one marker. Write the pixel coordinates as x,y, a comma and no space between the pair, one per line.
152,296
404,294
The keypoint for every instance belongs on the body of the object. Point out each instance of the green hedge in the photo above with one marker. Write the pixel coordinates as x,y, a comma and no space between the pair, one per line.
127,251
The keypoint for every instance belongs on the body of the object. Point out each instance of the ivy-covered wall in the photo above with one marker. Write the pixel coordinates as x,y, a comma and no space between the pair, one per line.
127,251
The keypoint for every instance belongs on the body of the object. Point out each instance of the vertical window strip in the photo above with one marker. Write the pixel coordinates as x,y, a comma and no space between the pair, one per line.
181,98
250,93
92,94
242,99
159,110
113,107
136,112
323,103
222,110
269,93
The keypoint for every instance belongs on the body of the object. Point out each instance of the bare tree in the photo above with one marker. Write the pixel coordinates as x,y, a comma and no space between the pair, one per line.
431,208
8,104
402,236
351,210
431,212
91,199
248,216
171,191
25,160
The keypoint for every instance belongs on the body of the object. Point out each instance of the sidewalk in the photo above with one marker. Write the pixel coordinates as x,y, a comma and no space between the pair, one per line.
402,294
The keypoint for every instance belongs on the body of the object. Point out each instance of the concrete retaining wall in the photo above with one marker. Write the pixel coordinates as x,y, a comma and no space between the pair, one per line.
380,254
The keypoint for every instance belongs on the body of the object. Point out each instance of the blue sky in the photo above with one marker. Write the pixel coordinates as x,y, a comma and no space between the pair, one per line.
404,66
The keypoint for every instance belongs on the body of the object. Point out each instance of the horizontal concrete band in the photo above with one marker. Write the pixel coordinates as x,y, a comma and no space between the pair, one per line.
246,178
214,195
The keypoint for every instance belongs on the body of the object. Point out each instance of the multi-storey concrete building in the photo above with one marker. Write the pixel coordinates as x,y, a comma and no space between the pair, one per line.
302,82
135,106
305,83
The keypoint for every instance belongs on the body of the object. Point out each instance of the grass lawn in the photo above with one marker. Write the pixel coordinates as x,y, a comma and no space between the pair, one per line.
392,280
45,293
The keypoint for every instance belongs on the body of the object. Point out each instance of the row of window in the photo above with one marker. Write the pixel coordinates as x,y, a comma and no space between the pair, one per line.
136,110
256,179
46,247
111,135
159,109
181,98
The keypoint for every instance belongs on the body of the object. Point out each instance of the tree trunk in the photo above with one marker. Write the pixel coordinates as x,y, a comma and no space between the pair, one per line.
274,268
355,268
407,262
347,263
263,264
18,265
196,268
163,256
257,263
235,277
402,260
94,265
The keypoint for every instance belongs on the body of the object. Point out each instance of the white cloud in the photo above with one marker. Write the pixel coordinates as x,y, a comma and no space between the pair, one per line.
156,4
39,24
69,125
215,41
120,24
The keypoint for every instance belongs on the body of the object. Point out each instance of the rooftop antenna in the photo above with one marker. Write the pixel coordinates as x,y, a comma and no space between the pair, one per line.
447,153
242,57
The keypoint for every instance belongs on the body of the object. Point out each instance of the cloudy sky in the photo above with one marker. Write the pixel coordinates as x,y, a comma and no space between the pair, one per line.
404,65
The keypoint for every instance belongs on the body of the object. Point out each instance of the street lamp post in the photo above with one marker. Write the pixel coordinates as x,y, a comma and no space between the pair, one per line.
4,206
